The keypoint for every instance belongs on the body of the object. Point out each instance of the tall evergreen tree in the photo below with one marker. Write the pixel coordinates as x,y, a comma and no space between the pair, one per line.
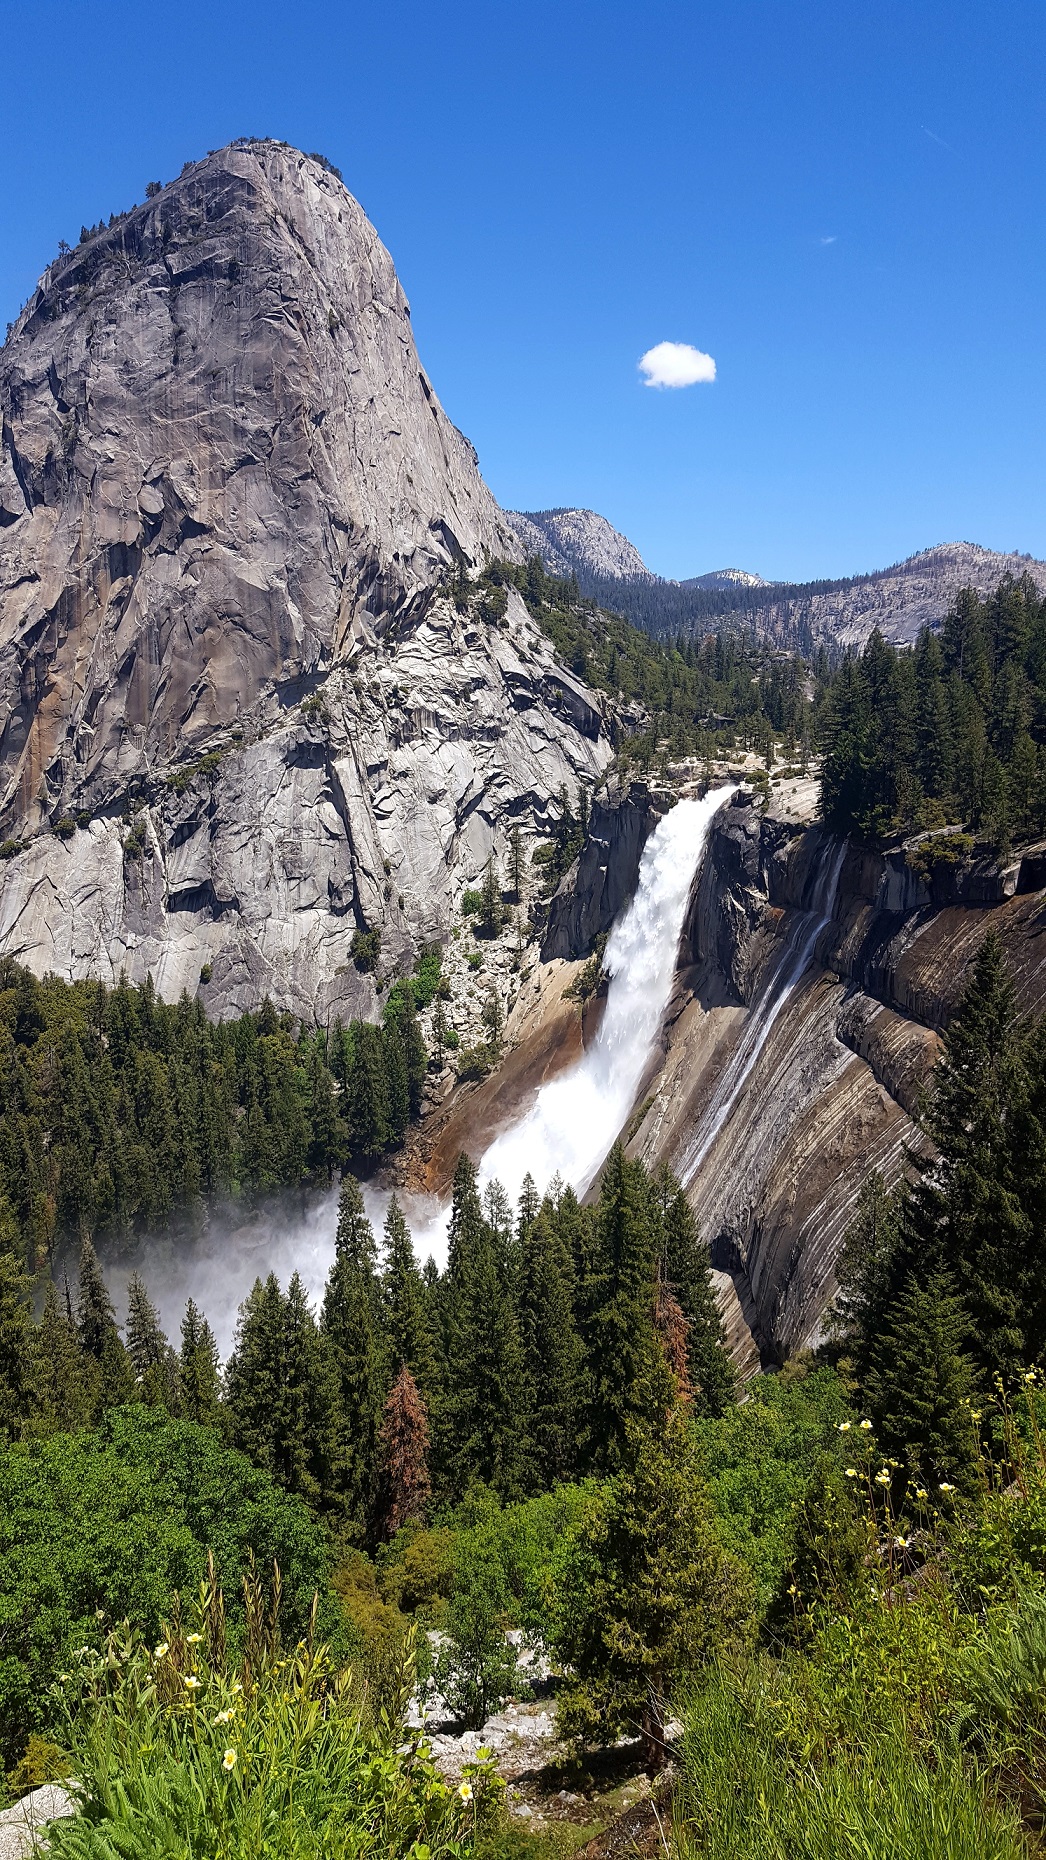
978,1210
551,1353
352,1326
621,1341
480,1420
686,1272
650,1592
199,1374
921,1383
65,1389
107,1361
152,1359
282,1392
405,1306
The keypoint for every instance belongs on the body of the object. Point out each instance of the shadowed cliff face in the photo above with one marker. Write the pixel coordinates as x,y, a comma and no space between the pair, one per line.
228,498
815,981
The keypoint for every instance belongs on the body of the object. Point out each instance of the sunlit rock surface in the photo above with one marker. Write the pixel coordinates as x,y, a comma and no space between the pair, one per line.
229,499
833,1091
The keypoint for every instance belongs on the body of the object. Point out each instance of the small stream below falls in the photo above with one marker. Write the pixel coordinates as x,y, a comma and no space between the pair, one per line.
567,1131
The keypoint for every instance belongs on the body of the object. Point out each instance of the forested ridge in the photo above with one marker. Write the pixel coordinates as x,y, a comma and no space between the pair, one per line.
119,1110
950,733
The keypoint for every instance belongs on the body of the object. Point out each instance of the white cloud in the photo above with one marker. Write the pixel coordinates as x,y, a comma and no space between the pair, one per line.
829,238
675,365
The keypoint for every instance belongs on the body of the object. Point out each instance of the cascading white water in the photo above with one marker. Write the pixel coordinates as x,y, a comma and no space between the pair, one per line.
788,970
576,1117
567,1131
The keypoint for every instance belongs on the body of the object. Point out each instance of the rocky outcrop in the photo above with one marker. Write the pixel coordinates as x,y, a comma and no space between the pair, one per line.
603,878
241,718
579,542
372,808
815,981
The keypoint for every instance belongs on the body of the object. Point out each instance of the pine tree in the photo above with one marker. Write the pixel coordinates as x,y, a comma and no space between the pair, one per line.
282,1394
95,1314
152,1359
491,910
649,1591
865,1271
199,1375
551,1354
18,1349
405,1307
370,1126
978,1210
621,1341
921,1383
440,1027
404,1447
351,1323
325,1136
107,1361
516,868
65,1390
480,1431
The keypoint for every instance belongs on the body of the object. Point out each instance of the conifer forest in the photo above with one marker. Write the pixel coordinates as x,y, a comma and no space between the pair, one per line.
812,1604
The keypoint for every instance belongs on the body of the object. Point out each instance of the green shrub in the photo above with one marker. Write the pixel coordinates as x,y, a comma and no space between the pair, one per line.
476,1061
116,1520
376,1632
416,1571
64,828
365,949
9,849
471,903
476,1668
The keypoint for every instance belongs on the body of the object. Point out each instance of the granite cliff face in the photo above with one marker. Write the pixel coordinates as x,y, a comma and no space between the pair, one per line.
581,543
230,674
815,979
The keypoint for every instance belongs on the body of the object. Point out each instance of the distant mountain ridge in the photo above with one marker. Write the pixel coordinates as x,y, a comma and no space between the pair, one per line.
899,599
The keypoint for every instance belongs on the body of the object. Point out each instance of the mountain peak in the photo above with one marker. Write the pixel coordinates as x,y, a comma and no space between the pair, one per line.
222,465
579,542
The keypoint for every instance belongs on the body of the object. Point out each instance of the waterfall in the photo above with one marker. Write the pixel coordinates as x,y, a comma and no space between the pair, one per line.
791,965
567,1131
576,1117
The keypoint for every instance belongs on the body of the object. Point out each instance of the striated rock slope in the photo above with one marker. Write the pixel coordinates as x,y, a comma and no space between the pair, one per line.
230,675
815,980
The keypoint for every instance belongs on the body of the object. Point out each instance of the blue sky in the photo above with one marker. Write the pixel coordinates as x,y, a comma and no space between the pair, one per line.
842,203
